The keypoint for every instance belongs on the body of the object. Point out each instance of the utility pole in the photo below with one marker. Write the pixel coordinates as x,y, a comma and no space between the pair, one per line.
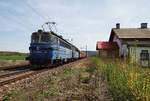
86,51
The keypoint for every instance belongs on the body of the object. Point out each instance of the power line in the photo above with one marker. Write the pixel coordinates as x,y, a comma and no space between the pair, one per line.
16,19
17,22
35,11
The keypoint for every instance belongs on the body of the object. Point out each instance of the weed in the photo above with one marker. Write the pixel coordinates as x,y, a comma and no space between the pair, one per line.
91,69
127,82
10,95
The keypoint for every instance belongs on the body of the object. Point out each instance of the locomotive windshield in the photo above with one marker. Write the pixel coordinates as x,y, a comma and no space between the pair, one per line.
44,38
40,38
35,38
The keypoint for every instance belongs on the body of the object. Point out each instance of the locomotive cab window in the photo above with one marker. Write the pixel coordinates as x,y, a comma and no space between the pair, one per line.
35,38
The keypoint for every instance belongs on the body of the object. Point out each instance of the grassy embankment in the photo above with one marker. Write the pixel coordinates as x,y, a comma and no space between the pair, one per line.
127,82
12,56
81,83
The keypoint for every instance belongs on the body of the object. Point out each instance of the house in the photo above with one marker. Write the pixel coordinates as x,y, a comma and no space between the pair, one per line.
107,49
133,43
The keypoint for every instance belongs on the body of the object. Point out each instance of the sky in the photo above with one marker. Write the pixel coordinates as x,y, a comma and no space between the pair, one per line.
84,21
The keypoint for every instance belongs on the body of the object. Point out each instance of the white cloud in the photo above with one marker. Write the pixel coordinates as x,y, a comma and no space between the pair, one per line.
85,21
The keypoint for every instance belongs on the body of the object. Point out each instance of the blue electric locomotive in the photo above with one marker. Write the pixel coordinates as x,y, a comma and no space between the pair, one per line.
50,48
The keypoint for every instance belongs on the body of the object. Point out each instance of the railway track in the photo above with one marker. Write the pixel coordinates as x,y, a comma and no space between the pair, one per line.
18,76
13,71
12,75
21,73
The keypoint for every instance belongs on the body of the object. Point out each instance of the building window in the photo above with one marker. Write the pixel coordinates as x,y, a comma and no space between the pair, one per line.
144,55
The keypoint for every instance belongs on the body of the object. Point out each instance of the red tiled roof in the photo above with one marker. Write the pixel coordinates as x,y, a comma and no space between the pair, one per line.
106,45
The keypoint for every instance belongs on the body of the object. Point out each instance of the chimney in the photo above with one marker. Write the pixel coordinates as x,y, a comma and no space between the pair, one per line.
117,25
143,25
40,31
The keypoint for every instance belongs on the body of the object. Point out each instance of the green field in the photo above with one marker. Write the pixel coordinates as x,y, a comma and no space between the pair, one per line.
12,56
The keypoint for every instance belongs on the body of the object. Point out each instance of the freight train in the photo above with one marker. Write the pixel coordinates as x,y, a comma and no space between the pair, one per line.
50,48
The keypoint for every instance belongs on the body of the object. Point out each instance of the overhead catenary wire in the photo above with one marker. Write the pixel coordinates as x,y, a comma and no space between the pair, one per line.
17,22
35,11
43,17
40,15
16,19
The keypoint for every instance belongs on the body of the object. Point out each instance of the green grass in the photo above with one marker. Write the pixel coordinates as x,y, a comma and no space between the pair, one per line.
127,82
12,56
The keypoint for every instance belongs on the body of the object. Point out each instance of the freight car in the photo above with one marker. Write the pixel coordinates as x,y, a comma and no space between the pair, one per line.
83,54
50,48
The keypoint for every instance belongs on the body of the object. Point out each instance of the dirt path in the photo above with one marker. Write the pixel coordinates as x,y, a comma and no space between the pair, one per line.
77,81
88,85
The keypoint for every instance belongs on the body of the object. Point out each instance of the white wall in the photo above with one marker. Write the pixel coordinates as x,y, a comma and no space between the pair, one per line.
134,53
130,48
